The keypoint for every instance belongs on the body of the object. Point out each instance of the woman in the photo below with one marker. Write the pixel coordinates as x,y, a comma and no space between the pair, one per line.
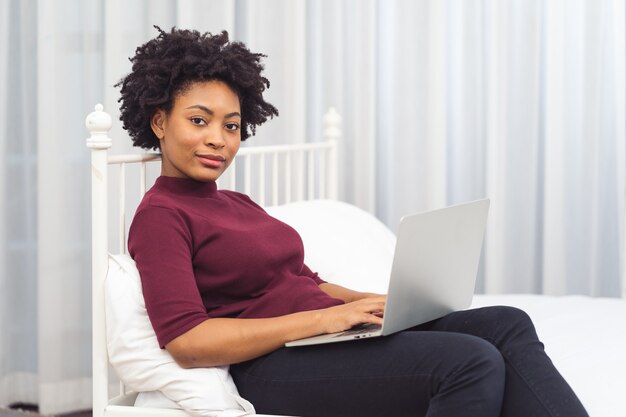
225,283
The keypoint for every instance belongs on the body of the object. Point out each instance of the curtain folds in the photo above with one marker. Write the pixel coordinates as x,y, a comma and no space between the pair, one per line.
521,101
18,208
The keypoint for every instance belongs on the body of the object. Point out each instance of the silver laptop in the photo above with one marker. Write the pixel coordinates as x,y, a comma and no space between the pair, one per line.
433,273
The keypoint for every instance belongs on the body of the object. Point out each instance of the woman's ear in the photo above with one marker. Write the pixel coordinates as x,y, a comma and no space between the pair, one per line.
157,123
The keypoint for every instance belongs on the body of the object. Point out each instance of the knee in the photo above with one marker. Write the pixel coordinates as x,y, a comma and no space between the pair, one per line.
475,384
480,373
484,360
510,314
474,359
510,323
506,316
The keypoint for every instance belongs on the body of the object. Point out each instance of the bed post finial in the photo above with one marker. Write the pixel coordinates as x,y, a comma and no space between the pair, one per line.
99,123
332,125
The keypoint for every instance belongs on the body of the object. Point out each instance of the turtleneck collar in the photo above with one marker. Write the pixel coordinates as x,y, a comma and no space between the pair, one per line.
186,186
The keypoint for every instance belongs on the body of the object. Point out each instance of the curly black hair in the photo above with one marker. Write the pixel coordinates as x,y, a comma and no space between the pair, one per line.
170,63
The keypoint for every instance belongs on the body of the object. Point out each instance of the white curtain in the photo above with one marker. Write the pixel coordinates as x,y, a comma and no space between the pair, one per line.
18,203
522,101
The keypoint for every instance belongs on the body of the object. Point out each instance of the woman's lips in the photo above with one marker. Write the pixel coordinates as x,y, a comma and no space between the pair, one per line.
212,161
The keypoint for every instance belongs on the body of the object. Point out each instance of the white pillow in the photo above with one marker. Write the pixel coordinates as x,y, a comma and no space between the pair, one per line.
142,365
344,244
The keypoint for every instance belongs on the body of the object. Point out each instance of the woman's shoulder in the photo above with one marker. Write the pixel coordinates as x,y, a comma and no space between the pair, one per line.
154,201
157,207
161,208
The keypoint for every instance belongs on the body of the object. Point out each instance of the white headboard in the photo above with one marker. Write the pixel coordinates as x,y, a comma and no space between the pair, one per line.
270,175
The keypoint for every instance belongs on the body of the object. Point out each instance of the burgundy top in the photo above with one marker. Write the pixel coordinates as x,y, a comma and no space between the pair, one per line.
205,253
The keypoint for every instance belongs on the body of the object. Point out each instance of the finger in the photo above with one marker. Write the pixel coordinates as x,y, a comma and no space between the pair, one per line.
372,318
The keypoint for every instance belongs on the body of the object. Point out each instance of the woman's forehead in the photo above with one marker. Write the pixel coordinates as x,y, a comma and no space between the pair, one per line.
208,94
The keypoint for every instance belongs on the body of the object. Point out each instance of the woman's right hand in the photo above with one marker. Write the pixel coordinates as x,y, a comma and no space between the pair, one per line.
343,317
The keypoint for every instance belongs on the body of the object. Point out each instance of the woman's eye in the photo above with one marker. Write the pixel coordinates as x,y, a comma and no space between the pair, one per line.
232,126
198,121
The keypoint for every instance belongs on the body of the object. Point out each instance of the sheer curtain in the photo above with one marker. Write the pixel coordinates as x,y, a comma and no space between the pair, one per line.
18,207
442,101
520,101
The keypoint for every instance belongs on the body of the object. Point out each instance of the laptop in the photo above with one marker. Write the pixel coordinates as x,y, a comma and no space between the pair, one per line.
433,273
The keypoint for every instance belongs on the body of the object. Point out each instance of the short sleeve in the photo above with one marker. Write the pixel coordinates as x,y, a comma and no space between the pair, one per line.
161,244
306,271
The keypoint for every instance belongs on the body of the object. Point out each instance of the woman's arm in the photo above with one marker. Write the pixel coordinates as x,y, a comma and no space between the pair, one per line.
224,341
345,294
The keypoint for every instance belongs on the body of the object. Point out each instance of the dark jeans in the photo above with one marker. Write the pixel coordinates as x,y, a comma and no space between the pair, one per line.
483,362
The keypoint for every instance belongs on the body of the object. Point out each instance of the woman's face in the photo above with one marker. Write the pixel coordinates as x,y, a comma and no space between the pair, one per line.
201,134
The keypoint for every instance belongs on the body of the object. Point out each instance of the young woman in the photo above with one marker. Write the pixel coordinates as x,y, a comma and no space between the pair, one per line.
225,283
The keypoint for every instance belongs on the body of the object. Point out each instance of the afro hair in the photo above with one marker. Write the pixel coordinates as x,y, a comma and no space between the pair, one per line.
170,63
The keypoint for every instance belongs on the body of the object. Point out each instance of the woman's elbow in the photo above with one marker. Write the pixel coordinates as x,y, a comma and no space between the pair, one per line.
179,349
188,354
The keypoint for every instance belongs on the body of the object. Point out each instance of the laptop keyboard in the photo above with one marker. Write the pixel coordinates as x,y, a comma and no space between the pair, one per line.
360,329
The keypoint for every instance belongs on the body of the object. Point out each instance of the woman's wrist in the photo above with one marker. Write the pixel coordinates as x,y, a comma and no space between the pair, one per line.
362,295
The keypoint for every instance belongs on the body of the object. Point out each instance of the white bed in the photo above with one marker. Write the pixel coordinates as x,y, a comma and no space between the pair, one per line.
585,337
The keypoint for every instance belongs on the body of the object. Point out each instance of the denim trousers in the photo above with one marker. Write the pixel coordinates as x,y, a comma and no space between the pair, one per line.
482,362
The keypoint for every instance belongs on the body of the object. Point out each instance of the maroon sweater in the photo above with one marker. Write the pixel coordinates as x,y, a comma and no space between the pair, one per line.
205,253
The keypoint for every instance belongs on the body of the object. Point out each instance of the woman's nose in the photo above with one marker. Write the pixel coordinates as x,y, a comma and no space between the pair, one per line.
215,139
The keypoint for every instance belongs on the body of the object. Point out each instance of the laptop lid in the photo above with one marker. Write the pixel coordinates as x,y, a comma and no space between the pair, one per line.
435,264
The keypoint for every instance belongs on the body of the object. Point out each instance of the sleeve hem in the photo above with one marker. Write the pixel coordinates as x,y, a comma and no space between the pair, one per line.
167,337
